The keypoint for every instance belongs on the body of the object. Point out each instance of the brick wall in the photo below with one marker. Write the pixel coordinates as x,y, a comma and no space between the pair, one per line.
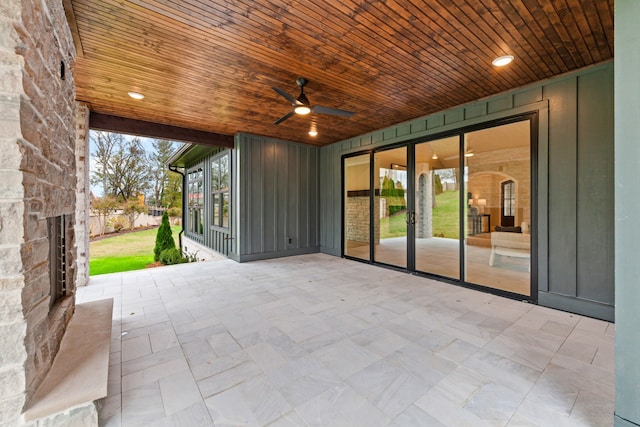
37,180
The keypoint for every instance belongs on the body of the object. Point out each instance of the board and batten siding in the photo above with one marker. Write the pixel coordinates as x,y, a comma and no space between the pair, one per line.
276,198
217,238
575,199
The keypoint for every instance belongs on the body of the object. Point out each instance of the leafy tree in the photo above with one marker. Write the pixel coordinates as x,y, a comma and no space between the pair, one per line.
159,169
130,171
103,208
120,165
164,237
133,209
173,191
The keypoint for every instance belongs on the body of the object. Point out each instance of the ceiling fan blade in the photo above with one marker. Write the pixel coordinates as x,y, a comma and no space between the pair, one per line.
283,118
288,97
333,111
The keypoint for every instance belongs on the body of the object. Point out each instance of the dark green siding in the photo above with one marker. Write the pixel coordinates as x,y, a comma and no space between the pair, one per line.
575,181
277,198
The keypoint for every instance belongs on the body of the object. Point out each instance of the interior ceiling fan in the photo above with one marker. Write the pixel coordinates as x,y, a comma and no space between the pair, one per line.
301,104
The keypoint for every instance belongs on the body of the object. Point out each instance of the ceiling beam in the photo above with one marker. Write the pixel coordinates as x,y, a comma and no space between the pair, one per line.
117,124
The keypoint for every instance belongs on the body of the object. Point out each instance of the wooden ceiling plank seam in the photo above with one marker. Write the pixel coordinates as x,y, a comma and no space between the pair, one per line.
408,57
520,47
569,26
403,28
583,29
67,5
237,66
442,65
373,64
531,47
251,41
596,28
605,13
550,33
477,64
159,84
565,39
515,10
463,13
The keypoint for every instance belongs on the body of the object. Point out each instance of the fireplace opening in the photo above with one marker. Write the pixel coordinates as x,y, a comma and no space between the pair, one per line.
57,259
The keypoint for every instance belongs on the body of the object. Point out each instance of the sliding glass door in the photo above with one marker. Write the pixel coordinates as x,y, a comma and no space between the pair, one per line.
457,207
391,214
498,186
437,206
357,206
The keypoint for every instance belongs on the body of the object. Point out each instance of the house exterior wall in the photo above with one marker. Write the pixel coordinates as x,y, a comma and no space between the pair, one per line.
627,206
574,188
275,198
216,238
37,181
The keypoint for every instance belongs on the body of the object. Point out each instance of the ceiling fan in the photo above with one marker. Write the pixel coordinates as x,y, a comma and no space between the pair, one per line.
301,104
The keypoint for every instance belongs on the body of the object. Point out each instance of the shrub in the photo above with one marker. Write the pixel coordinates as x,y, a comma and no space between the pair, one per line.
174,212
118,223
164,238
172,256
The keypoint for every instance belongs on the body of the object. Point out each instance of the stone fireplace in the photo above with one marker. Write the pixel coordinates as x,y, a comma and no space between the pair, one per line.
38,186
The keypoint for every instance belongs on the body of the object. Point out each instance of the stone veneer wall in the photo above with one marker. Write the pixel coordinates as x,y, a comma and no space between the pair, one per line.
357,219
82,194
37,180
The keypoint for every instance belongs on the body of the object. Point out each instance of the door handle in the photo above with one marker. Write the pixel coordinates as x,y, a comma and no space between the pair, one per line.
410,218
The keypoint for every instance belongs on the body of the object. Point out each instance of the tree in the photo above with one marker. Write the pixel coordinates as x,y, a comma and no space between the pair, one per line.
173,191
449,175
159,170
104,145
121,165
130,172
104,207
164,237
133,209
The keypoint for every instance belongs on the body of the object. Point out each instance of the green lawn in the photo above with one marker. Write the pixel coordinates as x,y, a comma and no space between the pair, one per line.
445,219
394,225
131,251
445,215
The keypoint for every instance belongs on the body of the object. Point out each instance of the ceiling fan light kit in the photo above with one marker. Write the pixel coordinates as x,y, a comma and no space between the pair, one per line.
302,106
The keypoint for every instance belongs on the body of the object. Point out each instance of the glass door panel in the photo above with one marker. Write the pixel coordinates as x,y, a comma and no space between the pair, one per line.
390,207
357,206
437,206
498,174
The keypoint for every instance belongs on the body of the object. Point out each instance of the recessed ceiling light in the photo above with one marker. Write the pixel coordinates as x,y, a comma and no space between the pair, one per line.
435,156
136,95
313,133
501,61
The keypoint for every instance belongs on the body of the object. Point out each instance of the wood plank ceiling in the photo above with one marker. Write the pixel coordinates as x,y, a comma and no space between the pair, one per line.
211,65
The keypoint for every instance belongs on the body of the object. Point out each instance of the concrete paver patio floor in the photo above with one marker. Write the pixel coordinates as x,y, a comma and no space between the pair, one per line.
321,341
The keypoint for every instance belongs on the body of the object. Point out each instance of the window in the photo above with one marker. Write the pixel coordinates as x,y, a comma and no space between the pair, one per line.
57,259
508,203
220,177
195,182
